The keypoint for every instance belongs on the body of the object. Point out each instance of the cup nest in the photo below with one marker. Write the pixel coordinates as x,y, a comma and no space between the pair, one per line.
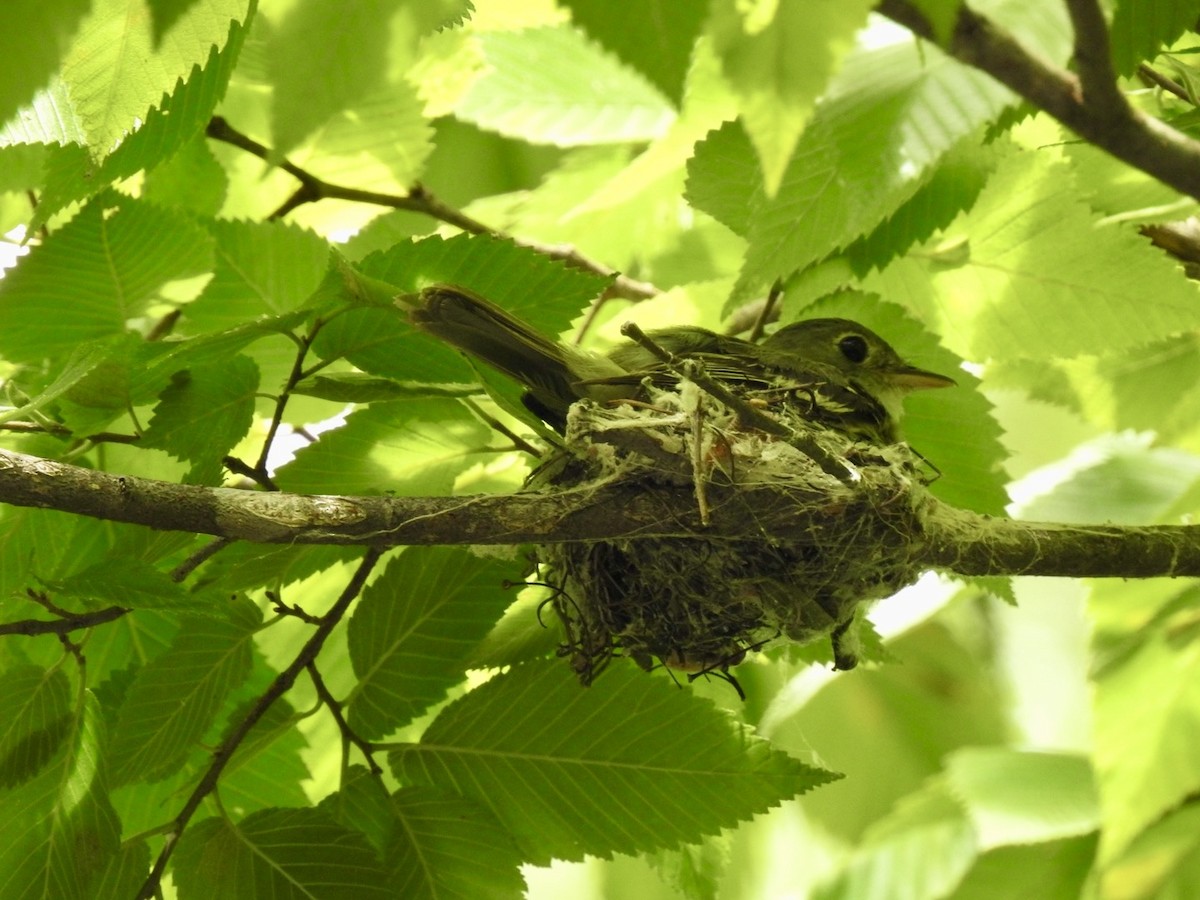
809,547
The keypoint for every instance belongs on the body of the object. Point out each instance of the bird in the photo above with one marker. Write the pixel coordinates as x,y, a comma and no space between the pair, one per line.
841,374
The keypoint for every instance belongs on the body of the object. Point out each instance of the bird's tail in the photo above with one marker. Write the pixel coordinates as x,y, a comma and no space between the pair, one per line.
482,329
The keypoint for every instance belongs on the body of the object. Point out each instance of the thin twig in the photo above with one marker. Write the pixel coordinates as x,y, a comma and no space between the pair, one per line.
1151,75
335,710
281,685
419,199
70,622
205,553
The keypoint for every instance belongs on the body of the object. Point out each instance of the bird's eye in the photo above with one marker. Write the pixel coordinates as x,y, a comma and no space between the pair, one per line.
853,347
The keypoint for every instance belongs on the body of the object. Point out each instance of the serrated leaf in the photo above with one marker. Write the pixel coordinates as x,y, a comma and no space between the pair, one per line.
1037,277
116,73
262,268
413,629
724,178
889,115
655,37
1015,797
90,277
267,768
192,179
59,831
778,68
1141,28
549,85
631,764
407,447
132,583
205,410
285,854
26,65
175,697
34,721
72,175
446,847
362,803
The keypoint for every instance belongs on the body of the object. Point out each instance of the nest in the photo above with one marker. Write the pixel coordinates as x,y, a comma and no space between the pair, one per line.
700,603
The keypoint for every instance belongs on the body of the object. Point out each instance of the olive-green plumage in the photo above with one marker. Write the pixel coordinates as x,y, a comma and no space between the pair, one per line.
848,377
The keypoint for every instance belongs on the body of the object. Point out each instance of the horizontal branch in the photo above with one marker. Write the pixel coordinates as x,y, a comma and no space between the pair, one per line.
886,514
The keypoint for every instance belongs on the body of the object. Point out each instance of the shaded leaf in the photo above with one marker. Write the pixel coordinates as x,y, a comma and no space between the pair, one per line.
634,764
413,630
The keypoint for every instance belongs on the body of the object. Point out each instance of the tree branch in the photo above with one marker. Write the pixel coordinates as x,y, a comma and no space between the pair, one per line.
888,514
418,200
70,622
281,685
1090,104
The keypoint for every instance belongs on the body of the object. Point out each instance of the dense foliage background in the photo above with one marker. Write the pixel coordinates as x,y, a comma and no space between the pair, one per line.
210,205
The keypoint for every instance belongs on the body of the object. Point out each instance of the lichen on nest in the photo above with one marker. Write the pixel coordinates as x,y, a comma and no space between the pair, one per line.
699,603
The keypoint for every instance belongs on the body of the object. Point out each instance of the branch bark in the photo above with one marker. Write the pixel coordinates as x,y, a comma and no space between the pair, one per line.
1090,104
894,516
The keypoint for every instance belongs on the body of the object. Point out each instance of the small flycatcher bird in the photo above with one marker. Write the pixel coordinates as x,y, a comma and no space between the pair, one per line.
844,376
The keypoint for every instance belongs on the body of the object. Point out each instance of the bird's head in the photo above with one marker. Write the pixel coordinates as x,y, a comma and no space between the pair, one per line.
856,352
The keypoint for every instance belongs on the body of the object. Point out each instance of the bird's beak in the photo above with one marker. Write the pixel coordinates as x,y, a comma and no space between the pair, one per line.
910,378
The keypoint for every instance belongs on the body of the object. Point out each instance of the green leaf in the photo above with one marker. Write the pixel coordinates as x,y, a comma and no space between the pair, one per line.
655,37
1037,277
27,64
35,720
413,630
1164,861
166,13
156,361
87,360
925,844
132,583
632,765
268,766
322,58
954,186
286,854
176,696
890,114
93,275
192,179
1141,28
115,73
362,803
1143,750
445,846
407,447
262,268
779,67
72,175
356,387
724,177
205,410
59,831
551,86
1015,797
